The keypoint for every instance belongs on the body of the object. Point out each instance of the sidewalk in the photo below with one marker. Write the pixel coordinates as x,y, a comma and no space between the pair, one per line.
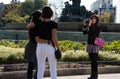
101,76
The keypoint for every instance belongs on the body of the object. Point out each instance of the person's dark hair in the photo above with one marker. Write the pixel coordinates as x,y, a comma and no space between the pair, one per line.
47,12
36,15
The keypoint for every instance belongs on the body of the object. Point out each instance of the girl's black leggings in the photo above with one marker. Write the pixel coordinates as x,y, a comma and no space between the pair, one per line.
94,64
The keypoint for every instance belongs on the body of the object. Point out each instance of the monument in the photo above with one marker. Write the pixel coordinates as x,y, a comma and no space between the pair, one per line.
74,12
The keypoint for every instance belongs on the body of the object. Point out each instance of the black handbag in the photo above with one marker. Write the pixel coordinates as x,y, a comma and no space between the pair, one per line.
57,52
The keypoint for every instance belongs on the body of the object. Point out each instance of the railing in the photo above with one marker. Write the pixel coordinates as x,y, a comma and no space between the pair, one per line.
62,35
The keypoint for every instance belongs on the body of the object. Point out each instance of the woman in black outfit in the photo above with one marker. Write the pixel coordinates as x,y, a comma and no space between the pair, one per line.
30,49
93,31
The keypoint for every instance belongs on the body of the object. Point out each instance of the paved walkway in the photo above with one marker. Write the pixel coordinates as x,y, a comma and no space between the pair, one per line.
101,76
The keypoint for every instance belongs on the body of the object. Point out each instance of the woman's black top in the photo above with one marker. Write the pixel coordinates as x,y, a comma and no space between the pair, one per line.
93,31
44,30
31,33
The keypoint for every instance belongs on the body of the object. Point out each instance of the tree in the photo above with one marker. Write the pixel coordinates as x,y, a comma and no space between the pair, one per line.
13,13
112,18
13,17
107,18
14,7
38,4
20,12
27,8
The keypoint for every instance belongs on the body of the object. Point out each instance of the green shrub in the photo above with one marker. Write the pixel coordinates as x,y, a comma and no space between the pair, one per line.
71,56
15,58
12,44
112,47
108,56
22,44
8,43
12,52
106,47
115,46
11,55
69,45
16,55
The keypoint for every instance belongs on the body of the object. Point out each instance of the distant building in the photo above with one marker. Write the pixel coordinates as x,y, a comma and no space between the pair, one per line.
1,10
117,5
2,24
95,6
103,6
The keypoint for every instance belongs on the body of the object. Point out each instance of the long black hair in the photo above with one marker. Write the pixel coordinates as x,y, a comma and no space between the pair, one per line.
36,15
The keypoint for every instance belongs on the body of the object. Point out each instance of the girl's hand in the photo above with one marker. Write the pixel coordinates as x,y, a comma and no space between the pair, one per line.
84,24
90,23
30,25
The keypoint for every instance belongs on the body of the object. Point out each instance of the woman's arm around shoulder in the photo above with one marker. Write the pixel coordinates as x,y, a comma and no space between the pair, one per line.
30,25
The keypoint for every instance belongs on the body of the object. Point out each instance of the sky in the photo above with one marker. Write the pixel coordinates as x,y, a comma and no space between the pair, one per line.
8,1
87,3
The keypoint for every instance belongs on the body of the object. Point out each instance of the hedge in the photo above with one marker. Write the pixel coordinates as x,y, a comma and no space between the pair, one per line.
12,52
16,55
11,55
66,45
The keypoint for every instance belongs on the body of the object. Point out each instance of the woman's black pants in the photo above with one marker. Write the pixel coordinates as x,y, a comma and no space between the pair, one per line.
94,65
30,71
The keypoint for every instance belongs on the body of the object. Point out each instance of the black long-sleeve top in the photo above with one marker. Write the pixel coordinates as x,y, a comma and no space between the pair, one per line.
93,31
31,33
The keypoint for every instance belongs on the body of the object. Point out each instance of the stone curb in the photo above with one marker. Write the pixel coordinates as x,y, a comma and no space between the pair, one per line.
61,72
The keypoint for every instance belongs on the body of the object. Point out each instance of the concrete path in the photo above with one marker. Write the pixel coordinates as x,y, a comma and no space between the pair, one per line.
101,76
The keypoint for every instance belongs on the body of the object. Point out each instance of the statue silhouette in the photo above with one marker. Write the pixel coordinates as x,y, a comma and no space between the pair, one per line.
74,12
